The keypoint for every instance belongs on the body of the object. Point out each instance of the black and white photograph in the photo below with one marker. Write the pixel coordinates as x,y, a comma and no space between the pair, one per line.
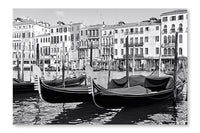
100,66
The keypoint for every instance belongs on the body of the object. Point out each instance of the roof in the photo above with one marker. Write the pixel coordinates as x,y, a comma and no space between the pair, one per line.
43,35
59,26
94,26
27,21
179,11
143,23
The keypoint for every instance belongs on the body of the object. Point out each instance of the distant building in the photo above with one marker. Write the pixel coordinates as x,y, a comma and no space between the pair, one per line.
144,42
171,22
43,42
75,40
90,36
107,45
24,32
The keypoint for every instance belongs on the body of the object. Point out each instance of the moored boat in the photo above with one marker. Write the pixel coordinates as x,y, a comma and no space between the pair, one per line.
74,93
154,90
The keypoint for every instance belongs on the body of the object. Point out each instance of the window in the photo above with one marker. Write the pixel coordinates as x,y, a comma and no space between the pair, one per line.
141,51
146,51
173,39
180,17
136,51
169,51
115,40
136,30
122,51
157,27
146,39
122,30
173,51
131,30
165,29
56,29
173,28
122,40
57,39
180,39
141,30
81,32
104,33
146,28
136,40
65,29
116,31
173,18
126,31
60,38
115,51
41,40
131,40
165,39
180,28
51,30
157,50
131,52
180,51
141,40
165,51
169,39
60,30
164,19
65,37
157,38
72,37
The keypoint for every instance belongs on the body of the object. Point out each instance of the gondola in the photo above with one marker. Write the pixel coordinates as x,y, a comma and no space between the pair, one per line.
155,89
74,93
28,87
22,86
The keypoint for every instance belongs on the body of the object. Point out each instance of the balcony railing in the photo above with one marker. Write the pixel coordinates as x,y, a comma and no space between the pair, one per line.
137,56
134,44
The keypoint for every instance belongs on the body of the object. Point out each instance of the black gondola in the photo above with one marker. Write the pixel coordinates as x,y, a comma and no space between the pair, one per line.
74,93
155,89
28,87
22,86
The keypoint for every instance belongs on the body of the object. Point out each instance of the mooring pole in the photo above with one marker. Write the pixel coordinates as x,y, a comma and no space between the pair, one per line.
127,60
175,65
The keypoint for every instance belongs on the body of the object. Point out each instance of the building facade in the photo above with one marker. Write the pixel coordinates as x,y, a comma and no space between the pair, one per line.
172,22
24,32
60,35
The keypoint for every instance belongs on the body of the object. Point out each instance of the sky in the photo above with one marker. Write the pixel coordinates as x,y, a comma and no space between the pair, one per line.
88,16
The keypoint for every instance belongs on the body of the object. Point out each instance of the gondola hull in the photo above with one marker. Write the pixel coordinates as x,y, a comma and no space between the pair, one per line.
117,98
51,94
23,87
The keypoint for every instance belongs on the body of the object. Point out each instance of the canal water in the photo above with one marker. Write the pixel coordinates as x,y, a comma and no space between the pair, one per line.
29,109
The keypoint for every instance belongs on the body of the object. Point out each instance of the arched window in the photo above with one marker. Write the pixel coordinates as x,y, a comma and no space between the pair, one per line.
165,51
165,39
180,51
173,38
173,28
180,39
180,28
173,51
165,29
169,39
169,51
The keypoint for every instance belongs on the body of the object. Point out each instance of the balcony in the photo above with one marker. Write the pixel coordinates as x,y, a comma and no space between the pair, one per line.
167,45
134,44
137,56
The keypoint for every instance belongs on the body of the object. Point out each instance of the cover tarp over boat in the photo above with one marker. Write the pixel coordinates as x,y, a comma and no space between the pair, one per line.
158,83
123,83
